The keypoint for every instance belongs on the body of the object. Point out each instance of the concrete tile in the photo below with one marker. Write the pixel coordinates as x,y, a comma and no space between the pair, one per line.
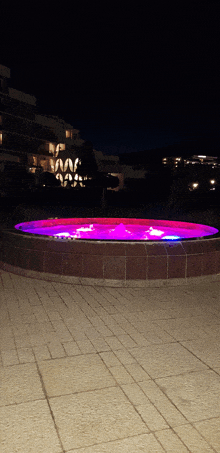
33,328
136,444
9,357
23,341
112,325
121,375
53,337
139,339
75,374
127,341
196,395
193,440
104,331
56,349
137,372
20,383
41,352
46,327
37,339
169,411
71,348
25,355
124,356
77,333
93,417
7,343
166,360
113,342
100,345
182,329
135,394
152,333
28,318
210,430
171,441
85,346
28,427
110,359
208,350
53,315
92,333
152,417
40,313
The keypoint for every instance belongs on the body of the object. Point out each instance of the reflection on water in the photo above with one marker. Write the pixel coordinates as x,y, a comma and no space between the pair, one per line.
133,232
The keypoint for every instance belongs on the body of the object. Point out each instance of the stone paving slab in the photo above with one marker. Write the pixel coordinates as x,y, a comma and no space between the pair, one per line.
91,369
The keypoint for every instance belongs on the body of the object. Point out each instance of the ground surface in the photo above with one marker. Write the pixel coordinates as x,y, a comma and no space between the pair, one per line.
108,370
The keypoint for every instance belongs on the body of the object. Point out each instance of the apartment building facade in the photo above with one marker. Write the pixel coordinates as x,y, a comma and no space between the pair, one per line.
40,142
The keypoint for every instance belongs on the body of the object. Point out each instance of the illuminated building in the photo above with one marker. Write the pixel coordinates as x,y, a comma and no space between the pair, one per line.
202,160
34,140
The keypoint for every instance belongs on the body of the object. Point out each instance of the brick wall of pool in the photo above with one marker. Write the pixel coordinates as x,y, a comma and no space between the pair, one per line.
110,263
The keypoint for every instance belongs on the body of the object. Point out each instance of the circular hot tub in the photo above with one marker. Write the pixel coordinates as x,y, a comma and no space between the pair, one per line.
110,251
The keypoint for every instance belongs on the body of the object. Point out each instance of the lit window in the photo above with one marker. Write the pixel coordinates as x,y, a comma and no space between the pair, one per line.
52,164
67,133
0,139
60,177
59,162
66,164
59,147
75,164
68,176
70,163
51,148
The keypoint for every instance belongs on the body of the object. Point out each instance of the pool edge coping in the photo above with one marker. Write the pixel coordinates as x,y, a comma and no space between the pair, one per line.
81,281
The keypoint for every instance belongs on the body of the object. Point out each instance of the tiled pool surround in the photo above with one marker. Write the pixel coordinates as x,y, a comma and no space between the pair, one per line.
113,263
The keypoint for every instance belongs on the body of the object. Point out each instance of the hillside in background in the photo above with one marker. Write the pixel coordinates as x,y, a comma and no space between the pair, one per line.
186,148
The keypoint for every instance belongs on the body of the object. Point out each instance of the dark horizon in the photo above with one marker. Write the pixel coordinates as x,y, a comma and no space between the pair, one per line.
134,79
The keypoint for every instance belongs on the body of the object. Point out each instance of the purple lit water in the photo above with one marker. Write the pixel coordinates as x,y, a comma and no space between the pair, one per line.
116,229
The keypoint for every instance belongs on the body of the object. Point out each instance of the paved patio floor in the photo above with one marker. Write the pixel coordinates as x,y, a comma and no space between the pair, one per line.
108,370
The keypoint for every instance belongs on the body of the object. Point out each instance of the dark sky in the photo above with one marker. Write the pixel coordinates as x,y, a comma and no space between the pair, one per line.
130,75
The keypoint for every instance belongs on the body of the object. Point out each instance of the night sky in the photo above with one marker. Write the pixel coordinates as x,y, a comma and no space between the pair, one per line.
130,75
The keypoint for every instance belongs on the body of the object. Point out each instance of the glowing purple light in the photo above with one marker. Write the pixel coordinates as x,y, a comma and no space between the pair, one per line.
116,229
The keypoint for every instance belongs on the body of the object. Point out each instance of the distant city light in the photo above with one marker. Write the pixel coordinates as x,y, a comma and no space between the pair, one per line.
212,181
195,185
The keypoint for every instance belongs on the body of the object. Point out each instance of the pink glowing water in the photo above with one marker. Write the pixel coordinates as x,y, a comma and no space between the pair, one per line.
116,229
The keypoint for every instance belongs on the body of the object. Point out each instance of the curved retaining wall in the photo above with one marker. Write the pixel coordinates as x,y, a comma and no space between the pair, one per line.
109,263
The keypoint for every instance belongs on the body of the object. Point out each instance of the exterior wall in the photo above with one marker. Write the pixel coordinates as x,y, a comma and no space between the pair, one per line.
118,263
21,136
28,137
5,72
22,97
